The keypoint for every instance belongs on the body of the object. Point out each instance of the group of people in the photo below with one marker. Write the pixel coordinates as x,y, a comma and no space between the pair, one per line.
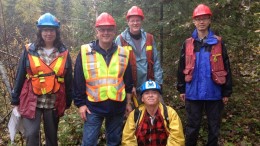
109,73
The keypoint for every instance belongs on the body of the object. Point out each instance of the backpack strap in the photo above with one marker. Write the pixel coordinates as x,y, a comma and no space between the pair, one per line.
137,115
165,111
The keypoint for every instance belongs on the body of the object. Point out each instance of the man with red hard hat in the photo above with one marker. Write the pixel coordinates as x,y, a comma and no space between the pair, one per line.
103,84
204,78
144,58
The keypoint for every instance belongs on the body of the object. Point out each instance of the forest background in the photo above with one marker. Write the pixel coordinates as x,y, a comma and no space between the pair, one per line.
237,21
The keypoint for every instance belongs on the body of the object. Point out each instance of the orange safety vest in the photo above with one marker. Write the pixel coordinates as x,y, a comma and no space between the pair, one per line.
149,56
216,60
46,79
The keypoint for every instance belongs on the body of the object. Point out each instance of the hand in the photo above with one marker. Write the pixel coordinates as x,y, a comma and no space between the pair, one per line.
182,97
128,109
82,111
225,100
134,91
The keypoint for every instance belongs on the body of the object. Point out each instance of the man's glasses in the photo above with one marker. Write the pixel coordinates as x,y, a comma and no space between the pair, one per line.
109,30
135,21
203,19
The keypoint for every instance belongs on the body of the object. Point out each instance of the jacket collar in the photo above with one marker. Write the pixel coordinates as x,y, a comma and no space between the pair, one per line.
32,48
126,36
210,38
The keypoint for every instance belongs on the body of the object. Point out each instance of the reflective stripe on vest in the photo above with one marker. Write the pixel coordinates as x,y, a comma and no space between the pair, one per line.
104,82
46,79
149,56
216,60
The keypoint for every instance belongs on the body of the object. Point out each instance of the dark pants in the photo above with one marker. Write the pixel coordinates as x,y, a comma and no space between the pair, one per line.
194,110
32,127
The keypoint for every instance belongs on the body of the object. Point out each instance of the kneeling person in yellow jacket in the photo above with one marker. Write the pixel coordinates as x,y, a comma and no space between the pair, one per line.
153,123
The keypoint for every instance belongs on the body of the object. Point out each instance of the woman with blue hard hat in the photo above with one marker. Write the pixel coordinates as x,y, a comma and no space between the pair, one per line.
153,123
43,82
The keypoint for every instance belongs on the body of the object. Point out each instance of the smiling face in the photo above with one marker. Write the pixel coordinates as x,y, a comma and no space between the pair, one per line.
151,97
135,24
48,35
202,22
105,34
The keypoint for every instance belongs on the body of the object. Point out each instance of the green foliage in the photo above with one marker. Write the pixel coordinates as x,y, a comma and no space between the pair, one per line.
237,21
70,128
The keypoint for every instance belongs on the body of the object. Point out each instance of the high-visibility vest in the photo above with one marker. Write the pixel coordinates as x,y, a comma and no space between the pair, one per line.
218,71
149,56
46,79
104,82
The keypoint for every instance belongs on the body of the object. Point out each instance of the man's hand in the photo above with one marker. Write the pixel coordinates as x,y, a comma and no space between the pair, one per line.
82,111
182,97
134,91
128,109
225,100
128,104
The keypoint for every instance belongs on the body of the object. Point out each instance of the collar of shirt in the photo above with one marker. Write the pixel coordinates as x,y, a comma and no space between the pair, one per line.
54,49
96,47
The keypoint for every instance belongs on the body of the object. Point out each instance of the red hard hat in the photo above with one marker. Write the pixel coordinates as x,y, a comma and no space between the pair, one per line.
105,19
201,9
135,11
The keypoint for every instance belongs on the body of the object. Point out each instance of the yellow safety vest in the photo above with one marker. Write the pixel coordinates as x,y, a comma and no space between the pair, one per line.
104,82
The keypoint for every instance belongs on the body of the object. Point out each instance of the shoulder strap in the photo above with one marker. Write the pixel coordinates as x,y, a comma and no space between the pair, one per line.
123,42
165,111
149,55
137,115
149,39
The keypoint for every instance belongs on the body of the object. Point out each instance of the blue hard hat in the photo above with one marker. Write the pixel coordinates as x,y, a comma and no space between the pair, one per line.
48,19
150,85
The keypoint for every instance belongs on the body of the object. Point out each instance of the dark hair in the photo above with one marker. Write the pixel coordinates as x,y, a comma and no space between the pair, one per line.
40,42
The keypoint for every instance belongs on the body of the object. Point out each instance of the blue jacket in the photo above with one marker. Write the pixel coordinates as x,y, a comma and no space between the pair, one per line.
141,60
202,87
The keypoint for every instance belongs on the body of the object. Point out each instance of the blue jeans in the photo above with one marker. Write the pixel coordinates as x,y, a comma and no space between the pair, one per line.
113,126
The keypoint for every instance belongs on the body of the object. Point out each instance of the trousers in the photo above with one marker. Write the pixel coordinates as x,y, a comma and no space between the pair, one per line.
194,112
32,127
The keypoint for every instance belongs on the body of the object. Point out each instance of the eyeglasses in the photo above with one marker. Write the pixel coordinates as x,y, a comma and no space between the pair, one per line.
135,21
203,19
109,30
46,30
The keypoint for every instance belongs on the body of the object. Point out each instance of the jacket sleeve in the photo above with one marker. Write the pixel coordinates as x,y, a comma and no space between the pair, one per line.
176,136
128,79
129,138
180,75
158,72
227,87
19,79
79,85
68,81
